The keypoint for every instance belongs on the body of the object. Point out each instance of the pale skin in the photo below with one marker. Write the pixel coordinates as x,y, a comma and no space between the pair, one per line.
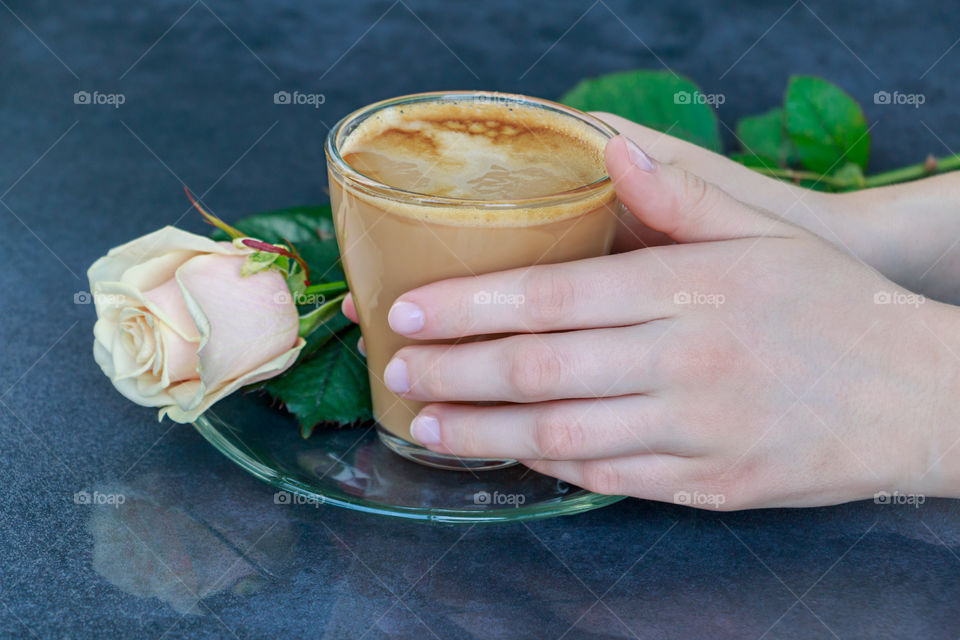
747,341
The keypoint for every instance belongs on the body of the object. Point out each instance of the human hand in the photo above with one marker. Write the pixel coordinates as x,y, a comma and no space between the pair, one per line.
750,364
906,231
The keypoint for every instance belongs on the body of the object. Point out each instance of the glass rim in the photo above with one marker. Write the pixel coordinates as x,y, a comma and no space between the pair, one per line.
375,188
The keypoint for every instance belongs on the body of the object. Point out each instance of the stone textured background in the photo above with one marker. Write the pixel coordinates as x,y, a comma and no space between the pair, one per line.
199,81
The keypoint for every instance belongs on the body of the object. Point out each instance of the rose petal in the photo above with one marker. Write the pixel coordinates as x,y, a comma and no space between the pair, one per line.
180,346
127,386
265,371
243,321
112,266
124,363
154,272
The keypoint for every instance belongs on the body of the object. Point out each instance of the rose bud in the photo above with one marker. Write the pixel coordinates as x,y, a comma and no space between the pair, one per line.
179,328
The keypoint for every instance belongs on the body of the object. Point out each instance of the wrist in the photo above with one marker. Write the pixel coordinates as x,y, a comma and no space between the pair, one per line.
850,221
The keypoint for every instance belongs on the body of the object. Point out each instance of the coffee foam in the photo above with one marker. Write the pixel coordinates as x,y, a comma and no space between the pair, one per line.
479,151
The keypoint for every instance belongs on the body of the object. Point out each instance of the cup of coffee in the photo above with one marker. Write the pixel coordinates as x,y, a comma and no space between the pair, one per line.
451,184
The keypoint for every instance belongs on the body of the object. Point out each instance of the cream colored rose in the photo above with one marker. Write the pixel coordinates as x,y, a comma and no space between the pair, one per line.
179,328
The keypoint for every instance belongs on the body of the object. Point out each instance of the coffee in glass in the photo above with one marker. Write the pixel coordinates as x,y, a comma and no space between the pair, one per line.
442,185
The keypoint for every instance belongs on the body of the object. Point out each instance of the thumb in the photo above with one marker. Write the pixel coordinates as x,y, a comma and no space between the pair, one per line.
681,204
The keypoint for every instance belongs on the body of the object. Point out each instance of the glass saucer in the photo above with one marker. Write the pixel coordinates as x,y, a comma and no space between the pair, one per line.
351,468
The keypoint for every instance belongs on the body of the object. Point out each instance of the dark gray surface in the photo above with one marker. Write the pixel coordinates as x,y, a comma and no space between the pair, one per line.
201,104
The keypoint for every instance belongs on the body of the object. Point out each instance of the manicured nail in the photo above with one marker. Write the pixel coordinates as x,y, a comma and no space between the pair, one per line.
425,430
405,317
637,157
361,347
395,376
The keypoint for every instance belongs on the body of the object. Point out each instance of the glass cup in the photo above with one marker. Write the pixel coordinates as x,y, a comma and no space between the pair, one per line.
393,240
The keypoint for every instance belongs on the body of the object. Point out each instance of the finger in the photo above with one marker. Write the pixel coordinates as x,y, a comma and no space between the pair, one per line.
349,308
529,368
682,205
742,183
649,476
558,430
608,291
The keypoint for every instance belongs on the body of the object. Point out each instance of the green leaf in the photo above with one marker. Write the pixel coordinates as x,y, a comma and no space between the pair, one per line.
320,337
330,387
826,124
312,320
323,259
657,99
766,135
296,224
752,160
257,262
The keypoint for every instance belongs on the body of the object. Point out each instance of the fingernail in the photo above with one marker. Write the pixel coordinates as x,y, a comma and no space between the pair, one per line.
361,347
405,317
395,376
637,157
425,430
